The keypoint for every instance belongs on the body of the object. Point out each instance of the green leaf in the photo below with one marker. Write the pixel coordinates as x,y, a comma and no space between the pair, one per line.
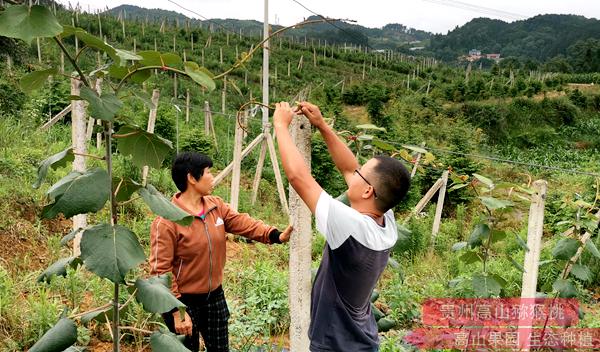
565,249
199,76
565,288
55,161
415,148
19,21
59,268
470,257
592,248
78,193
457,186
126,55
154,58
35,80
383,145
165,341
486,181
155,294
581,272
111,251
458,246
145,148
126,187
494,203
522,243
369,126
497,236
500,280
365,137
103,107
515,264
485,286
480,233
161,206
70,236
60,337
101,315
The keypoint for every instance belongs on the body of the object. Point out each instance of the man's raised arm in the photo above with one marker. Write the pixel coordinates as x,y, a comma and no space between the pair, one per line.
295,168
342,156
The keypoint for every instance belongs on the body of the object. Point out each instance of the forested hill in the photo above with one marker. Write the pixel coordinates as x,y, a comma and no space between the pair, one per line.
540,38
391,36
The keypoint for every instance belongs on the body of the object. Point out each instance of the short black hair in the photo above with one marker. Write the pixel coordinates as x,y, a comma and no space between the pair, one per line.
188,163
392,181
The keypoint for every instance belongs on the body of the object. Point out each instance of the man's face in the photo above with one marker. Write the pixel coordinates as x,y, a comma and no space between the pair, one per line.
362,181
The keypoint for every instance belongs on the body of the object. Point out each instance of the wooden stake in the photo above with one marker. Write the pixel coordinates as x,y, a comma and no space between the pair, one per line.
258,173
300,248
414,169
278,180
534,239
237,162
187,106
224,94
78,130
427,197
151,124
437,220
90,123
207,118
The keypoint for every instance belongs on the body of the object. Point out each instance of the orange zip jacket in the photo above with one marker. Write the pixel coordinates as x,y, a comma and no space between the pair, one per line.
195,254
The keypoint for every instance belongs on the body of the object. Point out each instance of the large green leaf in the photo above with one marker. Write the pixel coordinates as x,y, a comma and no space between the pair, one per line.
592,248
126,55
495,203
486,181
497,236
486,286
581,272
21,22
459,245
565,288
145,148
480,233
125,188
199,75
565,249
165,341
369,126
515,264
103,107
162,206
78,194
55,161
470,257
414,148
111,251
101,315
60,337
154,58
522,243
36,79
59,268
70,236
383,145
155,294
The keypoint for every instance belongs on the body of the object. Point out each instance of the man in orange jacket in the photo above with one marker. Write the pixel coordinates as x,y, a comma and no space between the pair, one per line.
195,254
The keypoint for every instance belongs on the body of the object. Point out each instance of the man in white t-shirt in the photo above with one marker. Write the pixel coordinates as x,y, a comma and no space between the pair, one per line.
359,237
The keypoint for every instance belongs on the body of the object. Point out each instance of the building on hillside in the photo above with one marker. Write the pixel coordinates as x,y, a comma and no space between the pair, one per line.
416,48
495,57
474,55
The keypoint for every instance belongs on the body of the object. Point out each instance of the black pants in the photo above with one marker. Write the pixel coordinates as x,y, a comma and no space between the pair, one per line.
210,315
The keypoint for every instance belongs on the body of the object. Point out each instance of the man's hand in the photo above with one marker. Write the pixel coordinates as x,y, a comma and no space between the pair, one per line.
313,114
285,235
283,114
182,327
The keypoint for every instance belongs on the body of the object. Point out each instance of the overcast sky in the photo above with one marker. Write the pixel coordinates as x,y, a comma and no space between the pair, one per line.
437,16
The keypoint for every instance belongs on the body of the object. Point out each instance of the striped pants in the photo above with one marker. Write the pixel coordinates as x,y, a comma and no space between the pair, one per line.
210,315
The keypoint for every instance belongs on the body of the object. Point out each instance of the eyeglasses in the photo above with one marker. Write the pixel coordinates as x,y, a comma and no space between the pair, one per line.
369,183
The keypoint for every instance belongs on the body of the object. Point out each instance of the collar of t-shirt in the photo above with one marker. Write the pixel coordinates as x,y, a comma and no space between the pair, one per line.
202,214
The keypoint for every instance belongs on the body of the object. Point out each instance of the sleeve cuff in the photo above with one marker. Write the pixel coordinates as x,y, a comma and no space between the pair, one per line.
274,236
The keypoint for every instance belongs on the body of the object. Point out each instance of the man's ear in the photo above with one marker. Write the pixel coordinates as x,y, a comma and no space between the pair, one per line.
367,192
